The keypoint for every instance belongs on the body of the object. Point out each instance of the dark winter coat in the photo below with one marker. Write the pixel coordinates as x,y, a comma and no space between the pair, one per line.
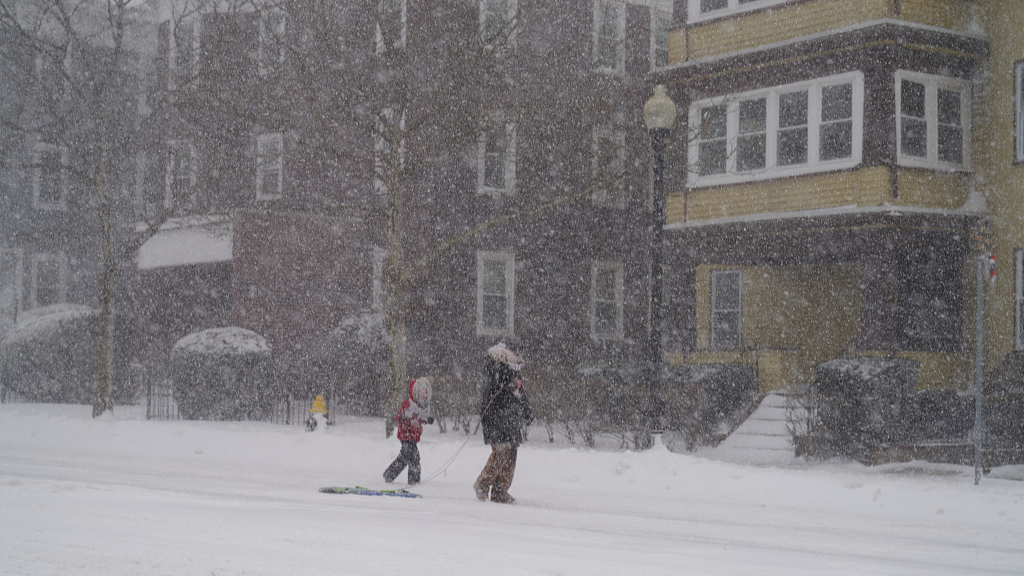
503,413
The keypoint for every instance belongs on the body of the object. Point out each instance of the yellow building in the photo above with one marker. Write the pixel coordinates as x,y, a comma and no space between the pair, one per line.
831,159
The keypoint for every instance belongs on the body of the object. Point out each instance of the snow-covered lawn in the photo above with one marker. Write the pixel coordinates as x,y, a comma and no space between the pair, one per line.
125,496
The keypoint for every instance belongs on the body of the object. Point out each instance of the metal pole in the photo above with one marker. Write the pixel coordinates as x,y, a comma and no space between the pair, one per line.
655,404
979,325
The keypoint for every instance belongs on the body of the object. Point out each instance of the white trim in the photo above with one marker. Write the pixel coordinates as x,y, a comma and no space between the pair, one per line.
379,36
772,129
619,41
932,85
508,261
16,285
616,300
612,194
509,162
40,149
1018,299
62,277
666,18
510,24
266,164
1018,108
715,275
732,8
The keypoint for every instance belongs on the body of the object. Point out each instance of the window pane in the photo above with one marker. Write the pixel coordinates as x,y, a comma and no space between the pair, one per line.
496,21
793,109
836,140
914,137
711,158
727,291
912,99
712,122
659,28
750,146
47,282
951,144
752,116
949,107
608,35
710,5
725,330
605,318
792,146
836,102
493,313
604,285
493,280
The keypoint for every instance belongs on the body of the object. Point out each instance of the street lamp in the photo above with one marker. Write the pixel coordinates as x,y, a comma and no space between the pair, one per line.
659,117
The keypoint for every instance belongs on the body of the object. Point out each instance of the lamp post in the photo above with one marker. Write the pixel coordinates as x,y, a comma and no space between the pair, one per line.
659,117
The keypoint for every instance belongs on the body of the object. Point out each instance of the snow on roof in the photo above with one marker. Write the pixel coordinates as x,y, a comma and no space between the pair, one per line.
182,242
229,340
852,209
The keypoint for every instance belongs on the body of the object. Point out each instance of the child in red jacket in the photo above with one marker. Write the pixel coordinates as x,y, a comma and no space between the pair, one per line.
411,416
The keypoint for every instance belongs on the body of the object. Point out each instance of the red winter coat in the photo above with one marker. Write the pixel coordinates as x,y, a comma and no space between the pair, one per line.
410,418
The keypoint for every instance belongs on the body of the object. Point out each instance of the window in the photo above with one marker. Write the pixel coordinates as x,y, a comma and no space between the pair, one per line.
495,293
377,280
498,21
496,160
387,165
933,121
49,186
181,159
726,314
186,52
49,279
1018,119
271,53
269,166
707,9
609,35
660,24
606,300
608,165
391,19
10,287
783,131
1018,299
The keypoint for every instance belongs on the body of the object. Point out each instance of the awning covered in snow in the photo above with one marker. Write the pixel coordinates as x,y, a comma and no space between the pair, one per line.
187,241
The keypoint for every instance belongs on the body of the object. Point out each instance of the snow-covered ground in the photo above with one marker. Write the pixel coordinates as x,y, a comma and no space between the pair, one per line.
124,496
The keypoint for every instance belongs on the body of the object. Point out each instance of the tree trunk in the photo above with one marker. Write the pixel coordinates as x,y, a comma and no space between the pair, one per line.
102,397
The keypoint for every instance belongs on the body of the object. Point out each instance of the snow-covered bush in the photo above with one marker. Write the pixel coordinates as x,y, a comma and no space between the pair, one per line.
357,354
701,398
223,374
1004,403
50,356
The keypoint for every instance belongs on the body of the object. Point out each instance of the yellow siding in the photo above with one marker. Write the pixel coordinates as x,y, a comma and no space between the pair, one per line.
929,189
782,23
794,317
868,187
757,28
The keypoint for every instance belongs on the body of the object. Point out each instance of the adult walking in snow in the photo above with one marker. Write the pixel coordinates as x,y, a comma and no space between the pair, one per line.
504,411
411,416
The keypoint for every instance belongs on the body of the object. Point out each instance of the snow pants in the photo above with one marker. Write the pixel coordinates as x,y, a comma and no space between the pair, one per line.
408,456
496,477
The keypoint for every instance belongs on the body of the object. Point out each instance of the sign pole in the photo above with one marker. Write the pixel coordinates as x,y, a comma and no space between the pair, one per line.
978,399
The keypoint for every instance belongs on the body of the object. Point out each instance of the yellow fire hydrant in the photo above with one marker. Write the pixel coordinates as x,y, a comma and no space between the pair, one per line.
317,415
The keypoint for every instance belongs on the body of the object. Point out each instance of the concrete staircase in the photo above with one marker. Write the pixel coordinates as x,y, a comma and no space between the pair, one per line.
762,439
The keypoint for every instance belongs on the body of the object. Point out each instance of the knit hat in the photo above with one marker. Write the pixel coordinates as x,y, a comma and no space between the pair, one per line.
420,391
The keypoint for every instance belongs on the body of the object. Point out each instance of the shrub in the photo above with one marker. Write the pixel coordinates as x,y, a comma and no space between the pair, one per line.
50,356
223,374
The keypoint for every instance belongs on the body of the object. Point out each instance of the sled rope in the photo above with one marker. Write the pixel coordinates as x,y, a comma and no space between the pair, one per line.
444,467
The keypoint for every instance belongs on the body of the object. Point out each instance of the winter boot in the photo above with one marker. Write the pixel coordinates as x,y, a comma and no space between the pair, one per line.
481,491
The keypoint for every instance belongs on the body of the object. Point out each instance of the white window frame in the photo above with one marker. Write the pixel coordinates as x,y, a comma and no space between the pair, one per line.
715,275
509,262
610,194
37,177
1018,299
266,66
511,19
62,276
174,147
1018,108
932,84
177,71
657,17
620,40
377,296
379,35
16,283
733,7
615,268
508,160
772,170
263,167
